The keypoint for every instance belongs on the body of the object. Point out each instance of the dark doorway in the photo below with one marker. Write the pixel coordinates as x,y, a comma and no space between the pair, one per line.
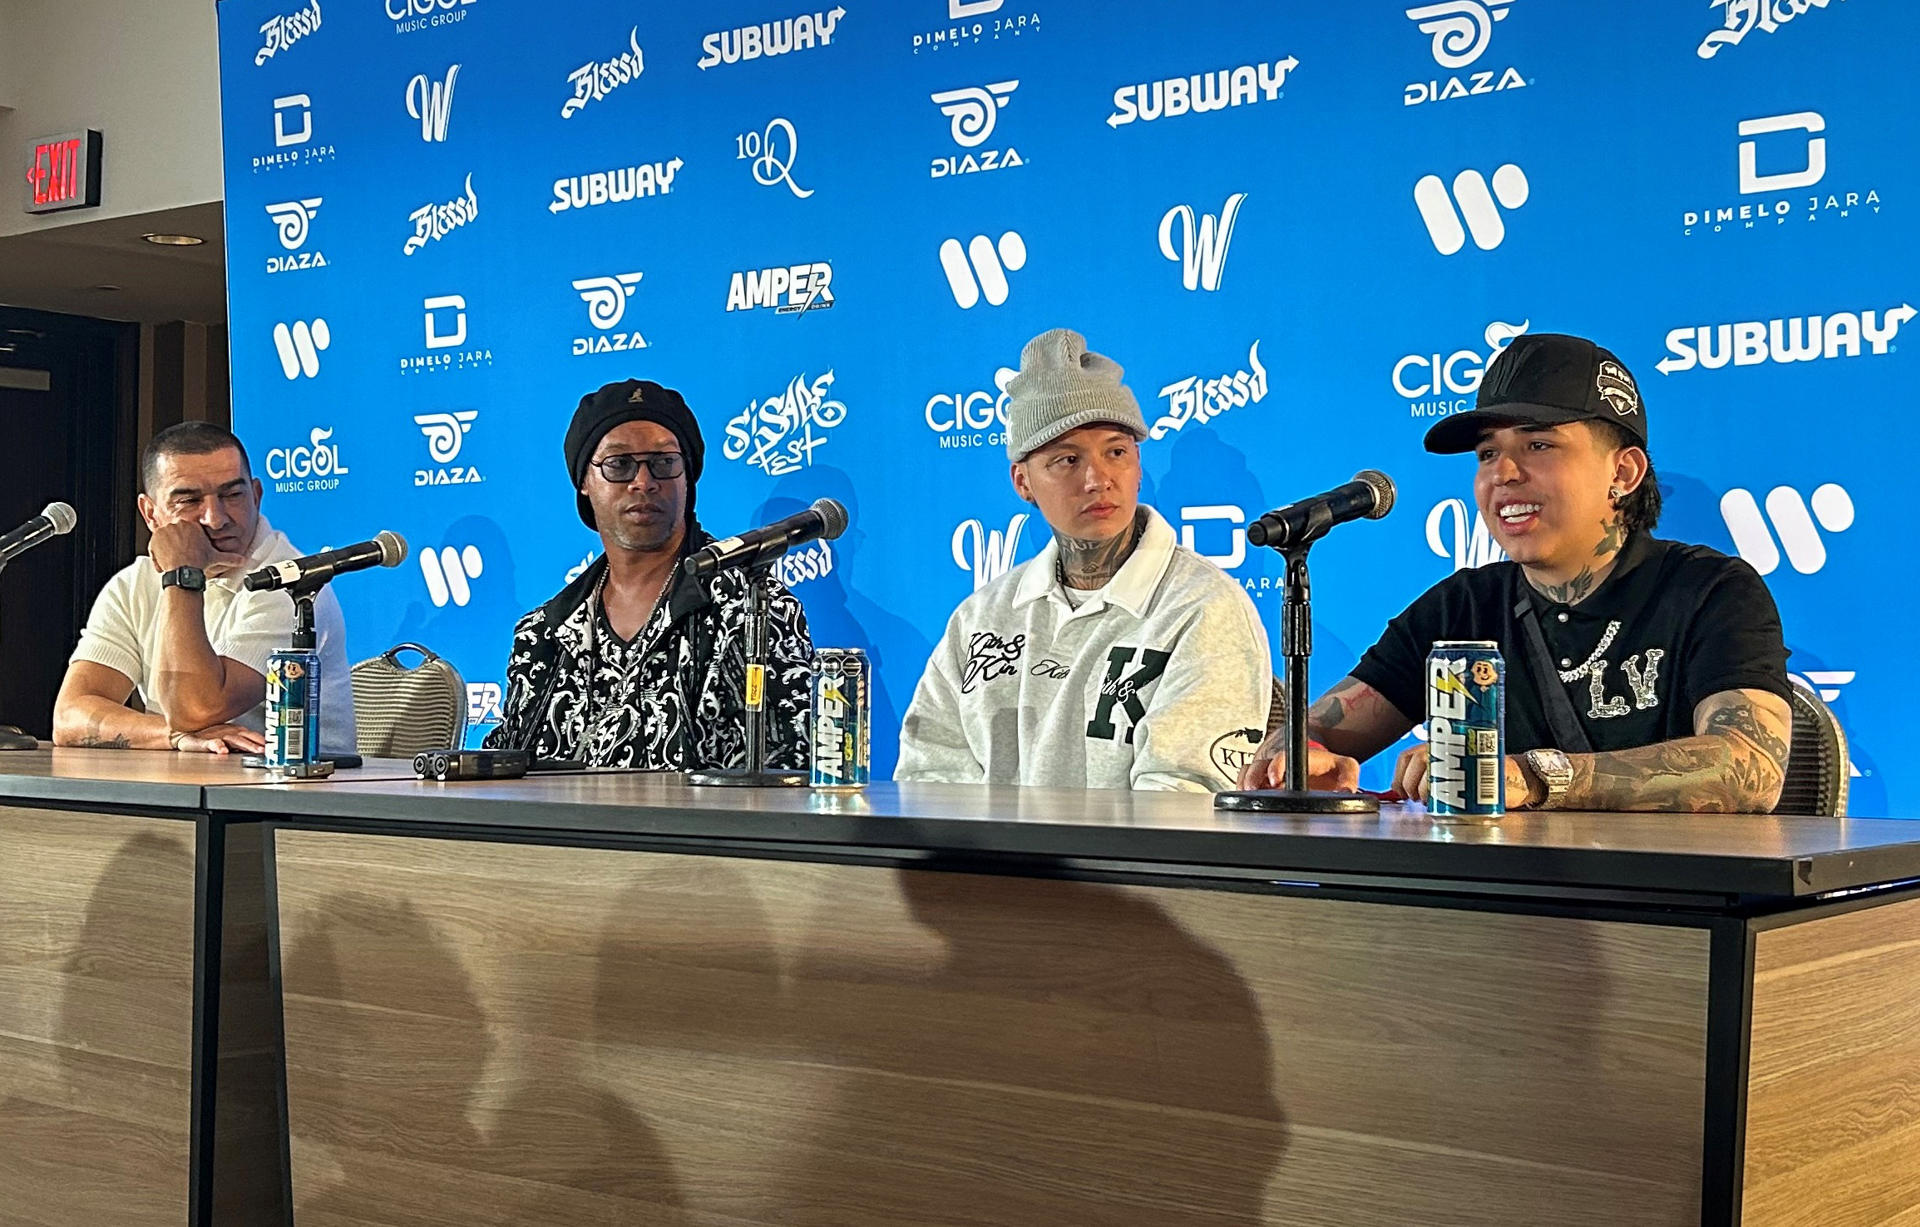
67,418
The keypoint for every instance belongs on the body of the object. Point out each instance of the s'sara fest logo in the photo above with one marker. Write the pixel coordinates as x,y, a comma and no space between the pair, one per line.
413,16
1201,92
1461,30
433,222
293,221
606,300
803,32
973,112
445,326
293,137
779,435
594,80
1197,399
616,186
282,31
971,23
1782,172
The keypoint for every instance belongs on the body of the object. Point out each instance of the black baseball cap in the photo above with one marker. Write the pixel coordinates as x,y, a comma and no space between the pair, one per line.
1546,378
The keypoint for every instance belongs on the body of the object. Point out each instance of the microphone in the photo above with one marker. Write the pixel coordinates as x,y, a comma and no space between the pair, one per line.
1368,496
385,550
54,520
825,520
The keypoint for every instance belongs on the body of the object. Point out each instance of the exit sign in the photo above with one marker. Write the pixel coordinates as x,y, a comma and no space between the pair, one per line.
63,172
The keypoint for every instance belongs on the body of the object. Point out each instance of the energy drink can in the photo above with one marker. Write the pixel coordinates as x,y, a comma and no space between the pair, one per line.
293,707
842,720
1466,729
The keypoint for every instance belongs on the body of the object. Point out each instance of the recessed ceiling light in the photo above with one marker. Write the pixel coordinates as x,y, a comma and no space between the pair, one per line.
111,289
174,240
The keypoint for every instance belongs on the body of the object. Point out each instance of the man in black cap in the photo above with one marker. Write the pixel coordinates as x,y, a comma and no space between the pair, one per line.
1641,674
635,664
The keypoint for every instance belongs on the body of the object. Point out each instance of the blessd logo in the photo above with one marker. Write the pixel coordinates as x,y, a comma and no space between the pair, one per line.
1808,338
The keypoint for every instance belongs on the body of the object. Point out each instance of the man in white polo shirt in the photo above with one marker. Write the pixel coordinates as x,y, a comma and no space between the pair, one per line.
1118,658
177,625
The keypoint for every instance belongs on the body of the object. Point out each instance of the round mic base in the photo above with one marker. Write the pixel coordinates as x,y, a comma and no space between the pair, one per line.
740,777
1290,801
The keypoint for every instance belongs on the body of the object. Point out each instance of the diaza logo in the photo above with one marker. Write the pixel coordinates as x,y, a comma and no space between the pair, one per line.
974,112
985,553
299,345
778,435
1202,250
770,38
431,102
1471,543
791,290
971,419
449,572
283,31
413,16
445,321
1476,207
445,432
1798,339
1746,16
1450,379
614,186
979,270
1793,148
973,22
314,467
1200,93
293,219
606,299
1796,521
433,222
773,153
594,81
1461,31
1197,399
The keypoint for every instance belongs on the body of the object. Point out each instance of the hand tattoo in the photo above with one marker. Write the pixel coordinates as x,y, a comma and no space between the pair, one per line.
1091,564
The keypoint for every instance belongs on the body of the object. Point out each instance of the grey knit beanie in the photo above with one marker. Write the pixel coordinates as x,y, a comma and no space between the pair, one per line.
1063,385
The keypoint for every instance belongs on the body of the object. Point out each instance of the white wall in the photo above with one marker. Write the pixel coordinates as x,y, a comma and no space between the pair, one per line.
144,72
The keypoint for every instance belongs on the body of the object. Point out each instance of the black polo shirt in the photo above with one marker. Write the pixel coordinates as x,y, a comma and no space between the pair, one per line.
1670,625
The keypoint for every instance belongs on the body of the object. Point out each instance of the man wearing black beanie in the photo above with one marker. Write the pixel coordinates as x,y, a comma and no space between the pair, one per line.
636,664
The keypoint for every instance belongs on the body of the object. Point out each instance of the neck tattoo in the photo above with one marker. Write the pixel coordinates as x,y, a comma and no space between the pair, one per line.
1613,537
1091,564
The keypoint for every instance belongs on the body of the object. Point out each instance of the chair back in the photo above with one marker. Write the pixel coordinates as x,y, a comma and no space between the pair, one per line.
400,711
1818,771
1277,708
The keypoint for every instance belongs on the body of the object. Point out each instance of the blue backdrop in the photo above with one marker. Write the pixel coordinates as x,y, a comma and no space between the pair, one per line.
1303,228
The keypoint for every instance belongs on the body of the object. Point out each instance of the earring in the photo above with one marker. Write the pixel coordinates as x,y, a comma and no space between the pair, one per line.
1613,495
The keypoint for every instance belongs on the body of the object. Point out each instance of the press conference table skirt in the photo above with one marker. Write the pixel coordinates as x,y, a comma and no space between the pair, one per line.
616,999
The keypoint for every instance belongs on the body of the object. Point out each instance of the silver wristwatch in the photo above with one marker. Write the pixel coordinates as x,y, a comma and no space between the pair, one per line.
1555,770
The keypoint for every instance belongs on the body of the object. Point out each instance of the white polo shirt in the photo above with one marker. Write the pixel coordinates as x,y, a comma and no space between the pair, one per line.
123,633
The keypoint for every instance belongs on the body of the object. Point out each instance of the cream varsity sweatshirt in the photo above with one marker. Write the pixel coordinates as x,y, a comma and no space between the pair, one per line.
1159,680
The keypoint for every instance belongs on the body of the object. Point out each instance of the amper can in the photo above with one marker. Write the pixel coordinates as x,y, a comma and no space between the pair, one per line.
293,707
1466,729
842,720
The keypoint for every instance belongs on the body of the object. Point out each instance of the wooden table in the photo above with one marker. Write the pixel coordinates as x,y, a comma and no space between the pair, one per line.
617,999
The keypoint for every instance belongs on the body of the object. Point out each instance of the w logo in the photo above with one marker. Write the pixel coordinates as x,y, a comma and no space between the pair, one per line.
431,102
1202,252
448,572
299,345
988,555
980,268
1477,207
1471,546
1793,520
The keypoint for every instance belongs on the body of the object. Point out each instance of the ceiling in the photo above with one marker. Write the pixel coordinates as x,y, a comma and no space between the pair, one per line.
63,268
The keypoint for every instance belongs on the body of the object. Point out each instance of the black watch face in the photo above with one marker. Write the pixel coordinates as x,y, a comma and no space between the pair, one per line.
191,578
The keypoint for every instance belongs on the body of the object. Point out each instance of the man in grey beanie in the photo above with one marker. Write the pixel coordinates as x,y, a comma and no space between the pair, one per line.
1117,658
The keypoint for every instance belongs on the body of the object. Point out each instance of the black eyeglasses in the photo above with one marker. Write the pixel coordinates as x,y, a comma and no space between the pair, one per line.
623,468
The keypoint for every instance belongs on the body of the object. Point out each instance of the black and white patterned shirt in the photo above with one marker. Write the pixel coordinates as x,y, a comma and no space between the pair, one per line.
671,699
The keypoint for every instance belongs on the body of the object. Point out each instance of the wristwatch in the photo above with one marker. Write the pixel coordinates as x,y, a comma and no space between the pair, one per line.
1555,770
192,579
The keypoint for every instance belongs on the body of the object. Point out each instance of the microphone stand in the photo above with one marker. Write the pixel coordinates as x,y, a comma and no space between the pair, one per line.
1296,647
754,773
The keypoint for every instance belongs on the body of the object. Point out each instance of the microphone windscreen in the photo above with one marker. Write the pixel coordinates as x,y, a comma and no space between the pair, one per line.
62,516
393,549
833,515
1383,491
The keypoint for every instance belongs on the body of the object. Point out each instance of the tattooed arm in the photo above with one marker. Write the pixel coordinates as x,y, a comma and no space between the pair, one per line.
91,712
1353,721
1734,764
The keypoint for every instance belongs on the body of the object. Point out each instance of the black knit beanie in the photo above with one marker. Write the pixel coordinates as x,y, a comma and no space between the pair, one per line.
630,400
